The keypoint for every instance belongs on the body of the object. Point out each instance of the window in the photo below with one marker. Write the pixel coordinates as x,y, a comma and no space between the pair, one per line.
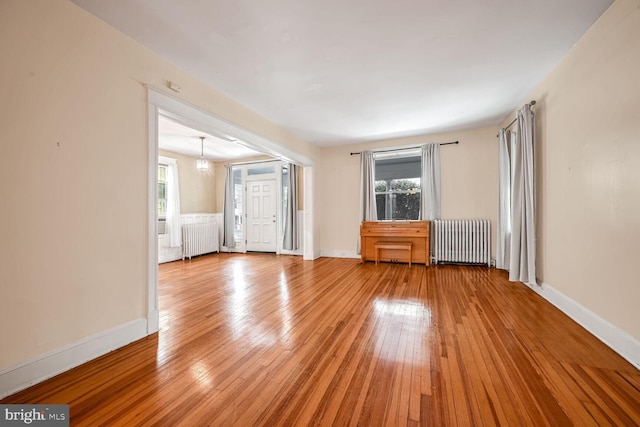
285,195
261,170
162,199
397,184
238,209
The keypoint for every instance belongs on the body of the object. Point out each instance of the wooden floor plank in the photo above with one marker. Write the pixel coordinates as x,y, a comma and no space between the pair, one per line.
271,340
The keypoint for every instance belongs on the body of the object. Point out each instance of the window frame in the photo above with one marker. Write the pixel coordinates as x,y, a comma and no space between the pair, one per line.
390,212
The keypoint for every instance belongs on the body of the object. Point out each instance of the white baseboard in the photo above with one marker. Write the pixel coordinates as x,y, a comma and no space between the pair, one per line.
312,256
297,252
339,254
44,366
163,259
618,340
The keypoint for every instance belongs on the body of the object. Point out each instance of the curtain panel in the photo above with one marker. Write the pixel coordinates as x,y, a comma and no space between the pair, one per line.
430,182
516,245
368,210
290,241
522,266
503,244
173,206
229,220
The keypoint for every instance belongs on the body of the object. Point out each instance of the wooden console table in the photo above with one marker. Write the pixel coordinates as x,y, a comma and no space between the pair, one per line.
389,236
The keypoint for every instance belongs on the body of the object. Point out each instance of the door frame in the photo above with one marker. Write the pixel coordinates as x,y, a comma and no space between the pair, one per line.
160,102
243,167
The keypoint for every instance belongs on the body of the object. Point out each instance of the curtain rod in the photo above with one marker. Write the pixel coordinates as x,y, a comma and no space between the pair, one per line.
407,148
514,120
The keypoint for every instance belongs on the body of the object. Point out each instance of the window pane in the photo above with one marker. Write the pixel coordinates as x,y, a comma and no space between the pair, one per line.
381,200
398,168
381,186
162,208
261,170
412,184
162,190
162,173
238,206
406,206
397,186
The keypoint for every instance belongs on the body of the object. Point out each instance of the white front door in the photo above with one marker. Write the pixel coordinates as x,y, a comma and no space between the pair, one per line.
261,216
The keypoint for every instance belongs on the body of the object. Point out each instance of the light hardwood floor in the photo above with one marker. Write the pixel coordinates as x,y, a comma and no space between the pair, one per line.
265,340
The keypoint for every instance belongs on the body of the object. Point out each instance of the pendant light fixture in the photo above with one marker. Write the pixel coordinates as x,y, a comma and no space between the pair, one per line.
202,164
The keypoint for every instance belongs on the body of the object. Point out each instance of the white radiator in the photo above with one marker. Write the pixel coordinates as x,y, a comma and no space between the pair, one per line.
198,239
462,241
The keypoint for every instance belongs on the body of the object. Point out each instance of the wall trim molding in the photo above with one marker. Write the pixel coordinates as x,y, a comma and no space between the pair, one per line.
618,340
195,117
339,254
164,259
39,368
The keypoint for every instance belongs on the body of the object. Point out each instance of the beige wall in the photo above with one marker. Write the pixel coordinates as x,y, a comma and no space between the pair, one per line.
588,170
197,188
469,183
74,192
221,173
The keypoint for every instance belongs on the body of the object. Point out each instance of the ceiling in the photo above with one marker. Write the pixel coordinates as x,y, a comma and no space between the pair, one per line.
344,71
175,137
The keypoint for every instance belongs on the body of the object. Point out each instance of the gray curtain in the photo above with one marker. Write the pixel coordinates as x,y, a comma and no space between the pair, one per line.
291,215
430,182
173,205
229,220
522,265
368,210
503,244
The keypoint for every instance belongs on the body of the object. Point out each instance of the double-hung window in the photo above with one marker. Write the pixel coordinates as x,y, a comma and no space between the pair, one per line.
397,185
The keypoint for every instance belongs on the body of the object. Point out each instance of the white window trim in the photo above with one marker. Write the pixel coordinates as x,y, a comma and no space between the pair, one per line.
401,153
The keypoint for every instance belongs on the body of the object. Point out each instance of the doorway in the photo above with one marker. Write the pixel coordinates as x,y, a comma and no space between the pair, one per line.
192,116
262,216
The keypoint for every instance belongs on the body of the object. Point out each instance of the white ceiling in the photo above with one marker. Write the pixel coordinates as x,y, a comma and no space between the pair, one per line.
343,71
175,137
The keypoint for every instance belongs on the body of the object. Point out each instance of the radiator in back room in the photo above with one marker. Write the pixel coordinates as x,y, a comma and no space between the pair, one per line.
465,241
199,239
